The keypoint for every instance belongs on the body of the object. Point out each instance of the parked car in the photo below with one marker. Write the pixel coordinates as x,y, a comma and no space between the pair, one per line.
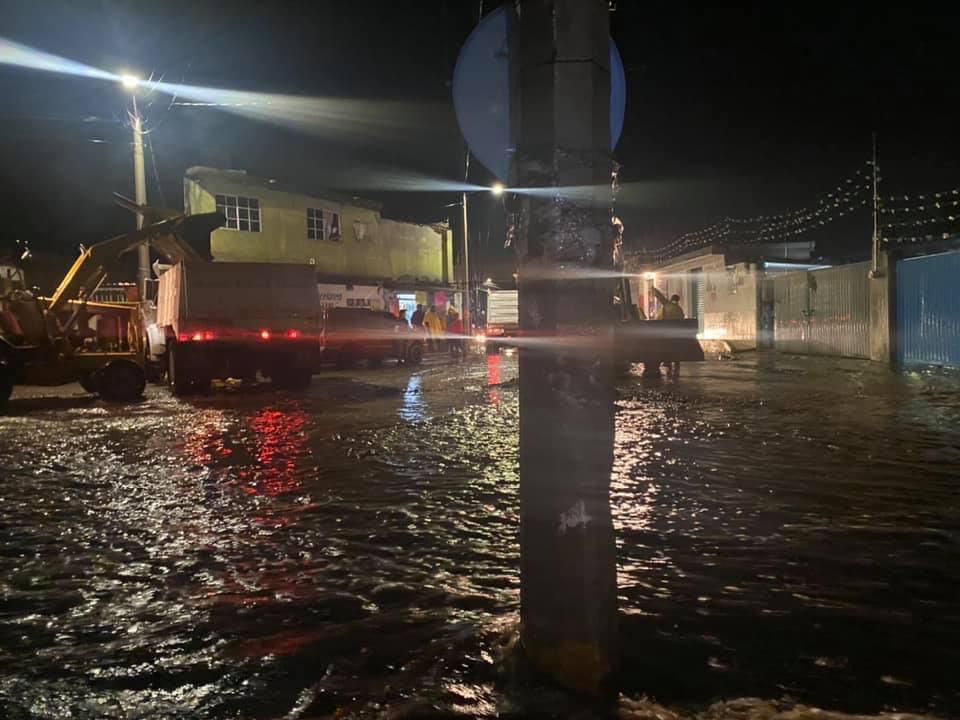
353,334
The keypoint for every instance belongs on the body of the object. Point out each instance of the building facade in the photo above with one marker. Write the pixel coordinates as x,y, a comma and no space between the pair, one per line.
346,238
724,288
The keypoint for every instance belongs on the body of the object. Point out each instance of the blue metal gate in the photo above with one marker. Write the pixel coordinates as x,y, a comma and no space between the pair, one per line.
928,310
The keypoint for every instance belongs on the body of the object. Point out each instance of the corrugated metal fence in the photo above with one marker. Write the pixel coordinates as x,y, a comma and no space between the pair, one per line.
928,310
824,312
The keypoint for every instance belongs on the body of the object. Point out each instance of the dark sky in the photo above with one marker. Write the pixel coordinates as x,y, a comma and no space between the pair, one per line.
730,111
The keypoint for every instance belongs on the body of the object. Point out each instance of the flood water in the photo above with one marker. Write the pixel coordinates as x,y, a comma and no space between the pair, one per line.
788,529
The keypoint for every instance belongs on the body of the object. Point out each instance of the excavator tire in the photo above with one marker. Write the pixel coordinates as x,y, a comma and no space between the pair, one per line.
6,382
122,381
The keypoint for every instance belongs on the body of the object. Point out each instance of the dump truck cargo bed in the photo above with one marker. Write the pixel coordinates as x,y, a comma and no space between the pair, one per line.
244,296
235,320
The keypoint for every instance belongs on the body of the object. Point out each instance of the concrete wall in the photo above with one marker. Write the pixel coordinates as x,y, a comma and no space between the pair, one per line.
370,247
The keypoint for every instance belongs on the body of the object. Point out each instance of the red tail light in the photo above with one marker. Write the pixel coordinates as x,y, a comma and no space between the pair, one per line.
264,334
293,334
197,336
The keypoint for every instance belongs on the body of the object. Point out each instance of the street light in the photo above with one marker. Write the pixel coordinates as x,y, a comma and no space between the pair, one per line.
131,82
497,190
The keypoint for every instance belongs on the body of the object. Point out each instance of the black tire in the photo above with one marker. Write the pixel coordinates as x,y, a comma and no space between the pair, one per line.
6,382
345,358
179,380
492,348
154,372
90,381
415,353
122,381
297,379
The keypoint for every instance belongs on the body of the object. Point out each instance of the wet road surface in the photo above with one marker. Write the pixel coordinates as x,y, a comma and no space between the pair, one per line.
788,529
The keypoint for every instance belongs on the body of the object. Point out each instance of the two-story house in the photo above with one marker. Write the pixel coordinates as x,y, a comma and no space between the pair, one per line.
361,257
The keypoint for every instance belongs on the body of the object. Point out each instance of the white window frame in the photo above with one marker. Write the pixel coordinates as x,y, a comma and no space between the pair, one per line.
240,205
328,219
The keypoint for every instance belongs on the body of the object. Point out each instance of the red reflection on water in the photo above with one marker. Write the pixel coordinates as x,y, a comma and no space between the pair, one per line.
280,442
205,442
493,378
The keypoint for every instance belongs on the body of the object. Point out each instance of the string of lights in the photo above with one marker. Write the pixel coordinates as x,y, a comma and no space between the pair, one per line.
945,194
848,196
930,212
904,239
929,205
922,221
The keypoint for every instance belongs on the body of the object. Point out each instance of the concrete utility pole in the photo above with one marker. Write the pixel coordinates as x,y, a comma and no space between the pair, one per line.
876,270
467,315
568,554
140,186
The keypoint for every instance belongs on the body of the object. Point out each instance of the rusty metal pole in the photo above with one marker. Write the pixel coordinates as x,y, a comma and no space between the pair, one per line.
568,554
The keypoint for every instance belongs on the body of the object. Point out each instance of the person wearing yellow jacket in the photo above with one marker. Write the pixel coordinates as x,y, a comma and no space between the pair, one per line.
669,307
670,310
434,326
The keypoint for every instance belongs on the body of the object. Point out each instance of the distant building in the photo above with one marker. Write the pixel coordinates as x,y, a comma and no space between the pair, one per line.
722,287
352,246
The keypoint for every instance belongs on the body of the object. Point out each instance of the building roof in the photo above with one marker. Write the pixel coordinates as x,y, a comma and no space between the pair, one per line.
242,177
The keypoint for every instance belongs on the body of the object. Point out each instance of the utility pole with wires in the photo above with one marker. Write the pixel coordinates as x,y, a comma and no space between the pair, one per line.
568,570
467,304
467,314
875,270
131,83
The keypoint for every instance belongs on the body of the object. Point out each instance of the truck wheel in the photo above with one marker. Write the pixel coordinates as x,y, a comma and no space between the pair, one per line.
293,379
345,358
122,381
90,381
6,382
492,348
415,354
180,381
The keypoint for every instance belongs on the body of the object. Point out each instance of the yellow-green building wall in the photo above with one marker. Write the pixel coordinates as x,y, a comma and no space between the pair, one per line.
370,246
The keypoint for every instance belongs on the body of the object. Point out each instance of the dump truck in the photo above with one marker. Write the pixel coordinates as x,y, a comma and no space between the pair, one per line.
233,320
67,337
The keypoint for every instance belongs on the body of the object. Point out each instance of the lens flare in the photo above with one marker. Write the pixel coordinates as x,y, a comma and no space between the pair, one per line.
12,53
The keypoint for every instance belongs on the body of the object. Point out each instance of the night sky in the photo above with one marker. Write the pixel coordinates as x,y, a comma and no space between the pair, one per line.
730,112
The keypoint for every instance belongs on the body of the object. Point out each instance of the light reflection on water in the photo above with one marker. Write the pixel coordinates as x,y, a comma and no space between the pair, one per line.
267,553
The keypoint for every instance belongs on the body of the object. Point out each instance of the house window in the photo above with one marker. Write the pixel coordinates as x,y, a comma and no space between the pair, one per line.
242,213
322,224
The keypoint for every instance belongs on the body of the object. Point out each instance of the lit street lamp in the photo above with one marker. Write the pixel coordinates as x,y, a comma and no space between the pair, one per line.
497,190
131,83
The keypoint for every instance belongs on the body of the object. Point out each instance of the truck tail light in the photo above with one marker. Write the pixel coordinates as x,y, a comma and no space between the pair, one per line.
198,336
293,334
264,334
